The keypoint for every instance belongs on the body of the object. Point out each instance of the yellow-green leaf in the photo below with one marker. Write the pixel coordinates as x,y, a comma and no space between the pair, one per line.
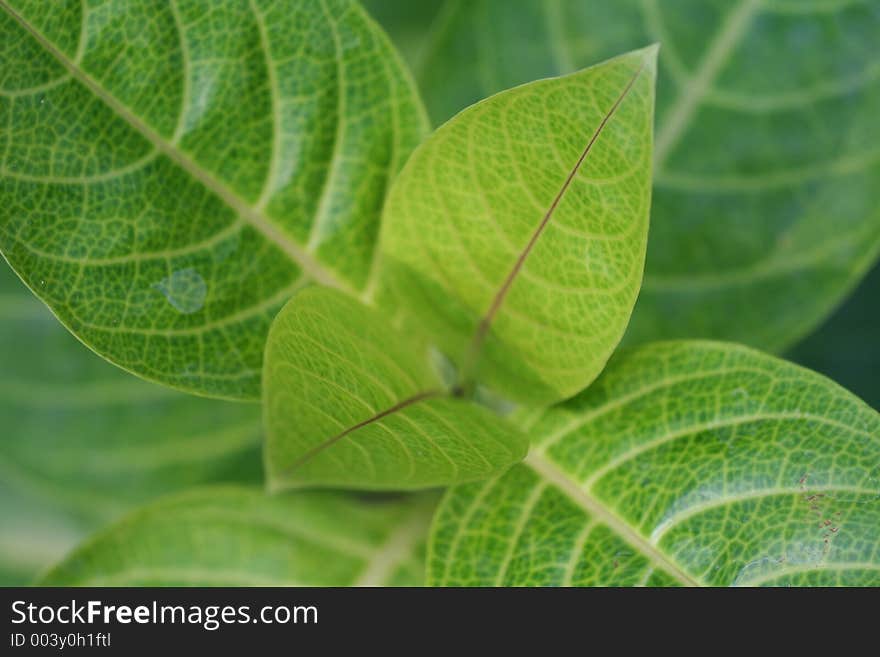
686,463
515,235
351,401
766,205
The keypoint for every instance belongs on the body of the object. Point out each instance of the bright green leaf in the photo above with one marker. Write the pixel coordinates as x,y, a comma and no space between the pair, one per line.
685,463
240,537
515,235
766,206
350,401
82,442
170,173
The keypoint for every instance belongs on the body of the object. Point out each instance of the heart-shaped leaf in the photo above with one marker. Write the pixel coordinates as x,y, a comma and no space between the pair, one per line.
240,537
766,204
82,442
350,401
515,235
172,172
685,463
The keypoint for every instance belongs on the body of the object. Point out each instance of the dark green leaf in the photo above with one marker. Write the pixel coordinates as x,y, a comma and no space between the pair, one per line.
82,442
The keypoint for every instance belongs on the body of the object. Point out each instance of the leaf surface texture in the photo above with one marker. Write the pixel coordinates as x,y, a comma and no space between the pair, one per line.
352,402
526,217
766,207
172,172
686,463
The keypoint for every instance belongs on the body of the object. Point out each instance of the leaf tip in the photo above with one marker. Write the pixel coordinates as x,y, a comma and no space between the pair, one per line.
649,57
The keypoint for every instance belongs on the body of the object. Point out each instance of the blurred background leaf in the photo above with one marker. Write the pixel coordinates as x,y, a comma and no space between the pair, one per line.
690,462
237,536
351,402
406,21
82,441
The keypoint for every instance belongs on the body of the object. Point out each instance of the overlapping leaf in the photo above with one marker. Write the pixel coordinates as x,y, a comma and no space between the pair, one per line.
82,442
240,537
350,401
515,235
405,22
171,172
766,207
685,463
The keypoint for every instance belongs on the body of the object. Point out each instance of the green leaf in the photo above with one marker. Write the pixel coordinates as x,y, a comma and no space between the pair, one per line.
405,22
352,402
515,235
34,536
82,442
766,206
171,173
685,463
231,536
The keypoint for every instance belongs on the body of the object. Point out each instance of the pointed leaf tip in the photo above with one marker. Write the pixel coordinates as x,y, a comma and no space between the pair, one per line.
515,235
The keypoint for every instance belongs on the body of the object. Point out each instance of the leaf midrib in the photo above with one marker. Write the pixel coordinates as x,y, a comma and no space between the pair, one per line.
424,395
310,266
485,325
716,55
555,476
398,547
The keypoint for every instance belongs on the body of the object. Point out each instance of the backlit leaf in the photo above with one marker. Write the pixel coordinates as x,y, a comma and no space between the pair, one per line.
766,206
350,401
82,442
690,463
171,172
515,235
